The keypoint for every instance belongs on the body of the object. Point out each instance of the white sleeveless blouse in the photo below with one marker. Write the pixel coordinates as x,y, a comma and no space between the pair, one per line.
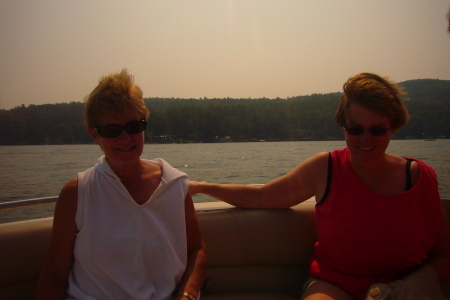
124,250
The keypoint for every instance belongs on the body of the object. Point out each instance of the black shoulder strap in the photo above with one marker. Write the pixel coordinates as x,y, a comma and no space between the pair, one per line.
408,175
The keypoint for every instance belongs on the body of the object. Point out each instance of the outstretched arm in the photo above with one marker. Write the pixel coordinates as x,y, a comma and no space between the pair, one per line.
306,180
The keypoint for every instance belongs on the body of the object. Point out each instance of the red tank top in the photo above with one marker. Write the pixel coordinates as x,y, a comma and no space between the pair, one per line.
364,237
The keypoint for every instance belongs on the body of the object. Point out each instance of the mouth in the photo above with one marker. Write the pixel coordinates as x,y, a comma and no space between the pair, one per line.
365,148
127,149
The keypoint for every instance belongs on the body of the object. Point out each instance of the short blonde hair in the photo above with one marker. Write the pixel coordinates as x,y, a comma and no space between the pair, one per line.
113,94
376,93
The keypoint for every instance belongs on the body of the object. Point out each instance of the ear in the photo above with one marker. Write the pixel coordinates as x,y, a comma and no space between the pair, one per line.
93,134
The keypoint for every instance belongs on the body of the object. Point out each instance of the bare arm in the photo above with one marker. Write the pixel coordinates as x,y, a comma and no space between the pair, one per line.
196,265
52,283
306,180
440,255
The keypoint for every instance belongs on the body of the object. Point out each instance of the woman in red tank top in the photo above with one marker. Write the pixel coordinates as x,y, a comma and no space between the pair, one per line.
379,221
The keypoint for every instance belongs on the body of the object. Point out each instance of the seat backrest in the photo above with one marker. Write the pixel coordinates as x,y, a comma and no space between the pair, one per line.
23,251
248,250
257,250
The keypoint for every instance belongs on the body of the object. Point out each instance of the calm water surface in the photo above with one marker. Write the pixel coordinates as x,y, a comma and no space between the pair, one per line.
40,171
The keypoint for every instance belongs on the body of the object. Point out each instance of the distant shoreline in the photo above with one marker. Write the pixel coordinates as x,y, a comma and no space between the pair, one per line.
229,141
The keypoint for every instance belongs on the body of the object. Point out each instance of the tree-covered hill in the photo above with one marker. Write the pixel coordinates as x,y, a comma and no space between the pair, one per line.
218,120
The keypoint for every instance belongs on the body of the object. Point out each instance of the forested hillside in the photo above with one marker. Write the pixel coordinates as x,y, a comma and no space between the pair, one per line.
218,120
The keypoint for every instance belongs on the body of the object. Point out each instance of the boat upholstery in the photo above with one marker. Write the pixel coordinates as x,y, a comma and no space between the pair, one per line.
252,254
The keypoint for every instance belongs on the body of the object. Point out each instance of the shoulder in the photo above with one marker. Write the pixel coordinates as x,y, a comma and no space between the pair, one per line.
416,167
64,225
311,168
70,188
152,167
415,172
68,197
420,169
317,162
169,173
89,173
420,165
322,156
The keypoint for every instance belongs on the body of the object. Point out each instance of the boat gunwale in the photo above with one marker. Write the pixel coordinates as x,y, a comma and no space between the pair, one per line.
27,202
200,206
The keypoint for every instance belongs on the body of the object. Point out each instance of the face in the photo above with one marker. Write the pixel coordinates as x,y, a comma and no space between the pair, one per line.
367,148
125,149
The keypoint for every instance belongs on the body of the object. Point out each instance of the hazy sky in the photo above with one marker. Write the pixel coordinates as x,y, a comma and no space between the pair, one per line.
54,51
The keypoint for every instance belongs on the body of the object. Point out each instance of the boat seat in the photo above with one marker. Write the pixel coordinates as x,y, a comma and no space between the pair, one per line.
252,254
256,252
23,250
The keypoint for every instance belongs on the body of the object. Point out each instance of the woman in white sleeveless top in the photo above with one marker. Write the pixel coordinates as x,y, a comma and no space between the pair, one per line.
125,228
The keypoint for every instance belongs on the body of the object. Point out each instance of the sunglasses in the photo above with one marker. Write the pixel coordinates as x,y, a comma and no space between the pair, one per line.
114,130
375,131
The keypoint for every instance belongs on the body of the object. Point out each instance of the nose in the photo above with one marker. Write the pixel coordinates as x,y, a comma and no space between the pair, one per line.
366,136
124,135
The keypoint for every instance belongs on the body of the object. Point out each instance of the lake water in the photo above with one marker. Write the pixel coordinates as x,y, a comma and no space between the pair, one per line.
40,171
